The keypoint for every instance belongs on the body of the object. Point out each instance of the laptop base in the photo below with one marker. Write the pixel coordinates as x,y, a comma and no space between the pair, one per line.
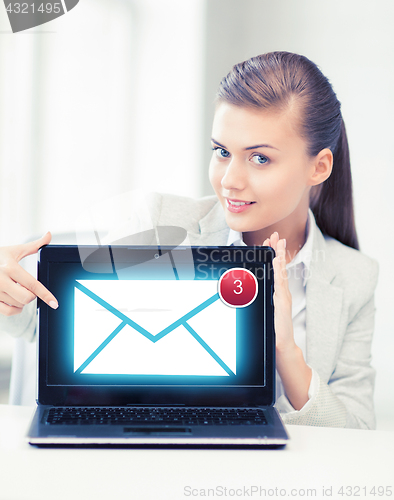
271,434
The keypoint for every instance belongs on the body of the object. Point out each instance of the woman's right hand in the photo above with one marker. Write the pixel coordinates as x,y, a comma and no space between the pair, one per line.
17,286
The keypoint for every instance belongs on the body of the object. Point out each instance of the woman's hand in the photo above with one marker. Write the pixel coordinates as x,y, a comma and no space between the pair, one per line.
282,296
17,286
292,368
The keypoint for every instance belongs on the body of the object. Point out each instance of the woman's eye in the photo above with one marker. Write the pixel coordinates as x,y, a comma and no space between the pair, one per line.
221,153
259,159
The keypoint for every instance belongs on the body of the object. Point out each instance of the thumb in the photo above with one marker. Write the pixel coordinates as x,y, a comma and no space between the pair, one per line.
32,247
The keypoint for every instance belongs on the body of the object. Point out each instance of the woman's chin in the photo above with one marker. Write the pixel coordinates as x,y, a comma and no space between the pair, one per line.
239,226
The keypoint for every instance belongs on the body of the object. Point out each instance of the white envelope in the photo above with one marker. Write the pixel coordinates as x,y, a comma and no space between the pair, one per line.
153,327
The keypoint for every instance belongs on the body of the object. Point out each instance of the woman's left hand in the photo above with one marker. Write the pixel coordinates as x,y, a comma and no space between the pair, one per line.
282,296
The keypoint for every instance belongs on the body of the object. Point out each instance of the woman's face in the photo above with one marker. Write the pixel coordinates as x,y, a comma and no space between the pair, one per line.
259,168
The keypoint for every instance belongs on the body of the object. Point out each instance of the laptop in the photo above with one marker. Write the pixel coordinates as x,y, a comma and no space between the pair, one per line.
157,347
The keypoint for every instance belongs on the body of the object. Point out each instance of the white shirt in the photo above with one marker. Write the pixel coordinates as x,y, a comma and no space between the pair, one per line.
298,272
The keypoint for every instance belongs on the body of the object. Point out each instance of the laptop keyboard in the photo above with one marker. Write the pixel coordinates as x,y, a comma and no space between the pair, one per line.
164,415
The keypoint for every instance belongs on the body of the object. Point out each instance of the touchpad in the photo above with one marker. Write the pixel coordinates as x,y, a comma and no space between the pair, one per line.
157,430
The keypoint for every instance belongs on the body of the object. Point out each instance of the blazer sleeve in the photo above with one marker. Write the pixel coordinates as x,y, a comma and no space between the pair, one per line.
21,325
347,399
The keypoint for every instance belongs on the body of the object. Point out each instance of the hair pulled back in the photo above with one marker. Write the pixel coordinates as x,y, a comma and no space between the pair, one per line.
284,80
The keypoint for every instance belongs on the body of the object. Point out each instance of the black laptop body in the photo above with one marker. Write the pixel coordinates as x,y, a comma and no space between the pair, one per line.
157,346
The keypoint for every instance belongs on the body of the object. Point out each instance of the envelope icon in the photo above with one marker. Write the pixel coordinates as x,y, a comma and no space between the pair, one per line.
153,327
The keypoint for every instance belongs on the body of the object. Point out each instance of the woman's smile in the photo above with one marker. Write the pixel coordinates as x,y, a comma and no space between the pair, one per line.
238,206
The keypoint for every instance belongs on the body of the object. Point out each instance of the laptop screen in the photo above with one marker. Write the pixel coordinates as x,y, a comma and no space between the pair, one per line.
161,323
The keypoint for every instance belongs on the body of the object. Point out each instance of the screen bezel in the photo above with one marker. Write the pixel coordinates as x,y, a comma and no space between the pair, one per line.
109,395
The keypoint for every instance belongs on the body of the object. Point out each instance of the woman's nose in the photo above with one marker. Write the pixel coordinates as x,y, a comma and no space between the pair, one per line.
234,176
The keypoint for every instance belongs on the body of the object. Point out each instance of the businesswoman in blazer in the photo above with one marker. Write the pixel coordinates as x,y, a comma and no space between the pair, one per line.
280,169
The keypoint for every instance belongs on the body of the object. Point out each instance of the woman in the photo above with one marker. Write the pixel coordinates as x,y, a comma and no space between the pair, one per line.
281,173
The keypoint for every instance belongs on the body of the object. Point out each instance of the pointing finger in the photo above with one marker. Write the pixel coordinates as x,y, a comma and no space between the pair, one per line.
38,289
32,247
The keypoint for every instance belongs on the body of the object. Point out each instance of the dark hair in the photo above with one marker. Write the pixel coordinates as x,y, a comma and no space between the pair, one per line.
284,80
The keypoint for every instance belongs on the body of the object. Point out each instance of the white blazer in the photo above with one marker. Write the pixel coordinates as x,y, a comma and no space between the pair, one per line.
339,308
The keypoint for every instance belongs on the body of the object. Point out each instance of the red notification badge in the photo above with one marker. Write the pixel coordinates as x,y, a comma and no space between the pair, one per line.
238,287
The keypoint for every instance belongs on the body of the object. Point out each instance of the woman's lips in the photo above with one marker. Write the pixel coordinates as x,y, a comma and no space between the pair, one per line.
238,206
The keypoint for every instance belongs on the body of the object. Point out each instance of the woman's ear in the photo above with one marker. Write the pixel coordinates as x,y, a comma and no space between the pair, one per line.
322,167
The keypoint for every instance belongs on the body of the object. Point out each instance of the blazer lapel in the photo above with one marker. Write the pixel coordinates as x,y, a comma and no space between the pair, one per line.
323,309
213,228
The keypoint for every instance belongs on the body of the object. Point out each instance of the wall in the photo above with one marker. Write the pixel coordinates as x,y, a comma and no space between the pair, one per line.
102,100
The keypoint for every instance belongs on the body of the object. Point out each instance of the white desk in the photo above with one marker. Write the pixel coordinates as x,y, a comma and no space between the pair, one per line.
315,458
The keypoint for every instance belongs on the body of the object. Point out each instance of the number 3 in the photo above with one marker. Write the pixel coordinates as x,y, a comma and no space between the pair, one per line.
238,286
